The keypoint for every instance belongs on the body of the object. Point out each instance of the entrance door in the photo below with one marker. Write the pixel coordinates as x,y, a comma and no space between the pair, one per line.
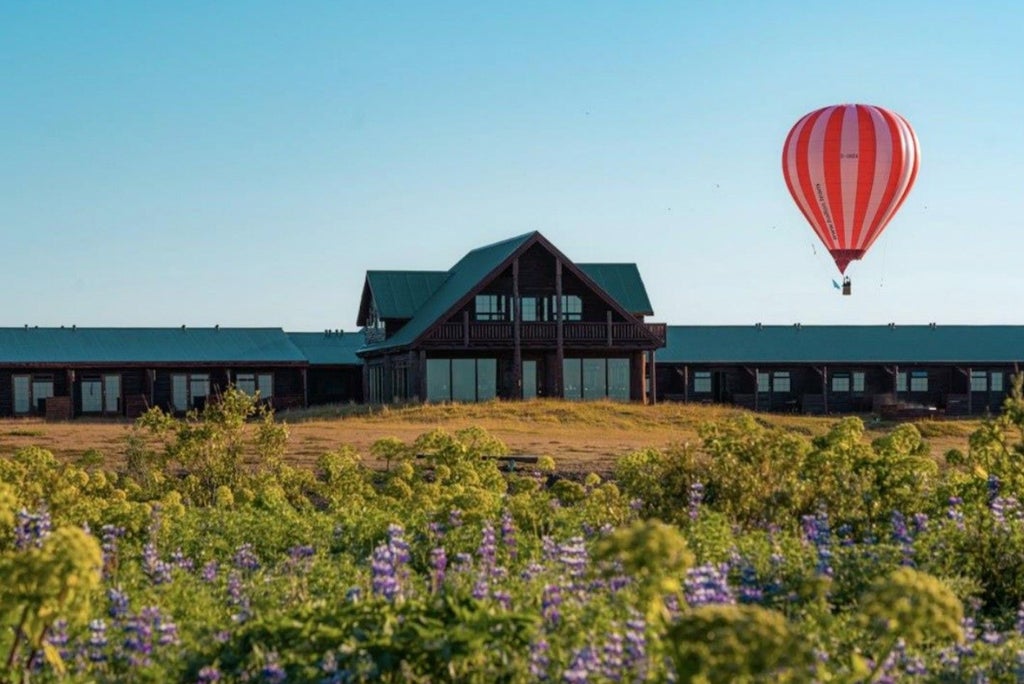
529,379
111,393
22,400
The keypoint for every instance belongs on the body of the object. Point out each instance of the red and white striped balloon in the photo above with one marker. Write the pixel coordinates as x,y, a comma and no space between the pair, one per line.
849,168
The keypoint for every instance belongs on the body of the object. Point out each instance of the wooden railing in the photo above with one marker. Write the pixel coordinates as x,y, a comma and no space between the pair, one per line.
532,334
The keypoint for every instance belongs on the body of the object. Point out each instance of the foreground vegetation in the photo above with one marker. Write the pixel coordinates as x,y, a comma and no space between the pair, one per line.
754,552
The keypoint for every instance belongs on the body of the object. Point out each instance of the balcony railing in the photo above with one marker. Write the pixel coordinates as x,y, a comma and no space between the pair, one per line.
537,334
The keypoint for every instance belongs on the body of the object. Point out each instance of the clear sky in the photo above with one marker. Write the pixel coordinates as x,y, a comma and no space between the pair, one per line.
245,163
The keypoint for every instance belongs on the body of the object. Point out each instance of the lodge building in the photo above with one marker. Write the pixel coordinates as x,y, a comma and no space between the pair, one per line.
513,320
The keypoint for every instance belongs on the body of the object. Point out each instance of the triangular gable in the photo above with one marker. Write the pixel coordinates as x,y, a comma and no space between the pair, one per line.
472,274
397,294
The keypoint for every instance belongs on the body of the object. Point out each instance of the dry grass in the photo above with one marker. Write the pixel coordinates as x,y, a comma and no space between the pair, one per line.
581,436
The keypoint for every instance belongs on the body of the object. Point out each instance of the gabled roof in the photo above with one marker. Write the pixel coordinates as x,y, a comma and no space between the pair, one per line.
474,269
329,348
146,345
397,294
462,277
776,344
623,283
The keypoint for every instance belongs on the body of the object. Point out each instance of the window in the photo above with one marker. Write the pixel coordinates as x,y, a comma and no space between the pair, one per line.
840,382
251,383
462,379
919,381
762,382
189,390
979,381
701,382
858,381
901,381
490,308
531,309
529,379
101,394
997,381
572,308
22,393
30,391
780,381
596,379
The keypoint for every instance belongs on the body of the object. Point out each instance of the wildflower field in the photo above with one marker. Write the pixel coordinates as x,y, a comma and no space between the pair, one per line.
752,553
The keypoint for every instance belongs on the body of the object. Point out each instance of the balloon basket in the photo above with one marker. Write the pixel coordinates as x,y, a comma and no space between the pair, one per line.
847,286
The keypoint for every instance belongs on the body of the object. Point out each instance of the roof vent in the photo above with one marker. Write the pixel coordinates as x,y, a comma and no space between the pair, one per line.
797,326
932,325
182,326
74,327
892,326
758,325
216,326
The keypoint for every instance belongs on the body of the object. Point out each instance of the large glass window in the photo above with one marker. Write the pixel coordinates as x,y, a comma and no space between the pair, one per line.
572,308
111,393
701,382
901,381
997,381
92,395
531,308
529,379
840,382
251,383
439,380
595,382
618,379
462,379
596,378
572,378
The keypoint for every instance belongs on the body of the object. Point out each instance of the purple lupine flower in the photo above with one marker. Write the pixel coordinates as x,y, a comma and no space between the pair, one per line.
508,534
108,543
583,664
551,603
817,532
671,602
549,548
503,598
954,513
990,635
750,588
463,562
488,550
438,565
706,585
384,578
480,588
993,487
118,603
635,659
436,531
301,557
209,571
455,518
97,642
208,675
31,529
399,547
1019,624
1003,508
237,598
272,671
245,558
696,498
845,534
156,570
901,535
573,556
920,523
612,652
531,571
180,560
915,667
539,661
58,636
636,505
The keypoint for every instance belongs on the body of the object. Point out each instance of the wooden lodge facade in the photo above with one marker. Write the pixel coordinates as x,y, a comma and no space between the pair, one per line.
63,373
916,370
511,320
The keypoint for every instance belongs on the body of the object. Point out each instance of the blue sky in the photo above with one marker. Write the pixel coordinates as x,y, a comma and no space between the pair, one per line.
245,163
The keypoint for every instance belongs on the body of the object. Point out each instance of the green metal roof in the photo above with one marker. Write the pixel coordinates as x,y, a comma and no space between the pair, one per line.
843,344
623,283
461,278
329,348
146,345
400,294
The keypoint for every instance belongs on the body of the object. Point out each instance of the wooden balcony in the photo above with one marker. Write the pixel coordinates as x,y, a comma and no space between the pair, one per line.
545,334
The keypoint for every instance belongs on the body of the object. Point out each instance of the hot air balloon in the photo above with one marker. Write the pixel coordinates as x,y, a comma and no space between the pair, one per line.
849,168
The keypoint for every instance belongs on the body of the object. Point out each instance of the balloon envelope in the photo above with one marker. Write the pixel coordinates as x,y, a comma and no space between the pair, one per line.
849,168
